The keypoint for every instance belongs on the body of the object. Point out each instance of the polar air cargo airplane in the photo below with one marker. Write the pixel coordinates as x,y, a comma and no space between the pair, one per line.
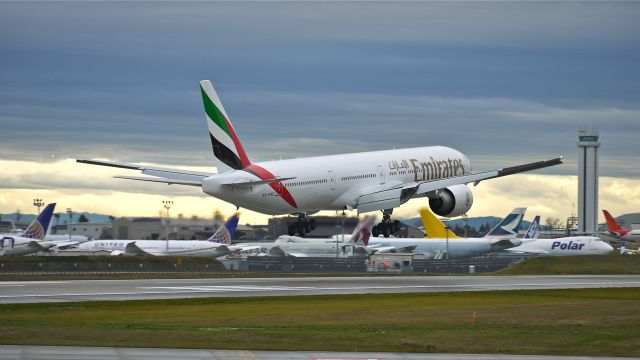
367,181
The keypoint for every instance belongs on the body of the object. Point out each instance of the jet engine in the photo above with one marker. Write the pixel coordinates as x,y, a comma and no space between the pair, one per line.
452,201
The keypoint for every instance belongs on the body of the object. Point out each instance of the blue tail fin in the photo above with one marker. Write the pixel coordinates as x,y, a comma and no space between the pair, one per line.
38,227
225,233
509,225
532,232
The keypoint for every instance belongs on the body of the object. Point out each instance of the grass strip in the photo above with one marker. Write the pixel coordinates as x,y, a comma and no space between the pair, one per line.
593,322
613,264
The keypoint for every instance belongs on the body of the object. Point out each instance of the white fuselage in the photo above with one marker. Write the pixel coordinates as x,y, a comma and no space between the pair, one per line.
334,182
567,246
157,247
437,248
633,235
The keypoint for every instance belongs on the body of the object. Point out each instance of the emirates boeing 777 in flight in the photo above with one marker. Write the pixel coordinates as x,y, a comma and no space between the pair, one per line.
366,181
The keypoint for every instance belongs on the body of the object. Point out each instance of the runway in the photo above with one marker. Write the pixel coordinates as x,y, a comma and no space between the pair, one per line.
103,353
81,290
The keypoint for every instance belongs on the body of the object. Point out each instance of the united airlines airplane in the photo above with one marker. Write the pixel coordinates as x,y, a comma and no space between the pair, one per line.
367,181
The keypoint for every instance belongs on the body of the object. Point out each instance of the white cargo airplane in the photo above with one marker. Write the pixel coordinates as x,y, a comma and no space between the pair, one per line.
217,245
564,246
367,181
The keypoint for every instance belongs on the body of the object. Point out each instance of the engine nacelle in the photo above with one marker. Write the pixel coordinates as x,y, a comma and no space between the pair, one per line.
452,201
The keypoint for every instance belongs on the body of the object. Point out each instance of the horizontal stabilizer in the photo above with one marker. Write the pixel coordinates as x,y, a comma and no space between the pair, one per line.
162,180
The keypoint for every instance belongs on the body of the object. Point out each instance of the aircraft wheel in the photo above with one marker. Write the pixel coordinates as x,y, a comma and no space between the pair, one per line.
307,226
302,230
375,231
292,230
386,230
396,225
313,224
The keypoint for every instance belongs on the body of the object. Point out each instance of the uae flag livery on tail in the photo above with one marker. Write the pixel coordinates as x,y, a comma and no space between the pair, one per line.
227,149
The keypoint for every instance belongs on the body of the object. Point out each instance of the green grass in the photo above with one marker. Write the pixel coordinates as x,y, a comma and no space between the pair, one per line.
576,265
564,322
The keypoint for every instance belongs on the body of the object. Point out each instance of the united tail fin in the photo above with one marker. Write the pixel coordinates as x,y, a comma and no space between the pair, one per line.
434,228
225,233
38,228
612,224
227,149
532,231
510,225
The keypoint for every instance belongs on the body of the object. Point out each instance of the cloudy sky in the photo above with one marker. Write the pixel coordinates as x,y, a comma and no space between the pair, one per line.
504,82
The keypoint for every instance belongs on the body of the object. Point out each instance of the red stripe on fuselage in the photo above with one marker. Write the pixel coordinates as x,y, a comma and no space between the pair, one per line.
244,159
277,186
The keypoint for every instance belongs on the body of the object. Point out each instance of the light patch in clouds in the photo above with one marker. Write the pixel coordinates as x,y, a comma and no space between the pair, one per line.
92,189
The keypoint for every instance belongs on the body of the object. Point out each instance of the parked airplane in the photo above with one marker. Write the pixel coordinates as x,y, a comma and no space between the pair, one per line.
216,246
367,181
565,246
32,238
616,230
532,231
316,247
501,236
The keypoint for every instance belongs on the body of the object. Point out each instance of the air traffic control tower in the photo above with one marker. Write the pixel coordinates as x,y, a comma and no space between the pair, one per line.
588,181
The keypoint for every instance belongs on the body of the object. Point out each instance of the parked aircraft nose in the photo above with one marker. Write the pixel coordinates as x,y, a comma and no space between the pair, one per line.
606,248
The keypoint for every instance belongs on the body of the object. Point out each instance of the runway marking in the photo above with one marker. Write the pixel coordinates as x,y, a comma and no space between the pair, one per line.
232,288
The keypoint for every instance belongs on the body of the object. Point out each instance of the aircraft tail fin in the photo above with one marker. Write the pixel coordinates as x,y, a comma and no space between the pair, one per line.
38,228
227,149
532,232
612,224
362,232
433,227
510,225
225,233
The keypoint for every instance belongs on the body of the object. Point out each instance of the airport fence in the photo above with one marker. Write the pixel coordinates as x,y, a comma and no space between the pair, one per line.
102,264
463,266
307,264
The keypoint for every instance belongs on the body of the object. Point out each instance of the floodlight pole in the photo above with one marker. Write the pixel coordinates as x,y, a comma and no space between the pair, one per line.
69,213
167,205
38,203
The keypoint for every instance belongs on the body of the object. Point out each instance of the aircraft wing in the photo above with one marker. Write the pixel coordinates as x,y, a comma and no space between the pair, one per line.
394,194
429,186
133,249
391,249
531,251
160,174
64,245
277,251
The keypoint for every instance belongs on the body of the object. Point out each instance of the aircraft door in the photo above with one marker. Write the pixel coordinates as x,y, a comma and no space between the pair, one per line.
332,180
381,174
7,242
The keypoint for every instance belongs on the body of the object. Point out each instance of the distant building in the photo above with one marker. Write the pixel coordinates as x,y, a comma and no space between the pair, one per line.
152,228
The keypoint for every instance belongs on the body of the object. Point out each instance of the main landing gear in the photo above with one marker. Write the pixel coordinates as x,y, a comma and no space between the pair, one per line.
386,227
302,226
